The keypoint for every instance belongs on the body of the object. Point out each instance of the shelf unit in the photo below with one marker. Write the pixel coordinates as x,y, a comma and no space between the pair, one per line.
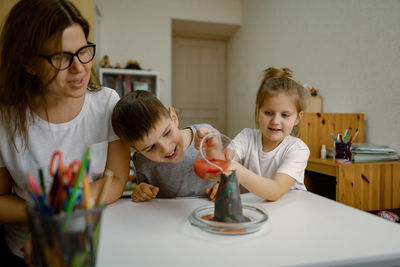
126,80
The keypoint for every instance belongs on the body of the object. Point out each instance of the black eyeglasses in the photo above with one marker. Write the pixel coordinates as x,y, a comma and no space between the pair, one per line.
63,60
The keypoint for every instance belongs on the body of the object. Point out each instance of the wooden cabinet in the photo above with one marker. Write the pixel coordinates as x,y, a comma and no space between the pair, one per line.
316,129
314,104
86,7
369,186
5,7
366,186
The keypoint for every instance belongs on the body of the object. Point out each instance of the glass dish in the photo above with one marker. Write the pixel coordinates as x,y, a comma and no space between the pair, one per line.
201,216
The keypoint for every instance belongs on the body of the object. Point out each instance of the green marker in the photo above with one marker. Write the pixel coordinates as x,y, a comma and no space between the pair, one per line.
41,177
72,199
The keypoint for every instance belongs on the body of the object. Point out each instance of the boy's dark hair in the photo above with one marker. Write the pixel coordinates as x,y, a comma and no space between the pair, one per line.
136,114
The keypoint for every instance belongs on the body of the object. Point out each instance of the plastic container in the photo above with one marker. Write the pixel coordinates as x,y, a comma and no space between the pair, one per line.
323,152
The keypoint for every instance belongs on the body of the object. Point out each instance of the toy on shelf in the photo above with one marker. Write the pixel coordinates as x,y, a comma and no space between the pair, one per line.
311,90
105,62
133,65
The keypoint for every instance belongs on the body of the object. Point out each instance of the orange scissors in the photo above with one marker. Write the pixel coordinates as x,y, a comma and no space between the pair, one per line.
59,171
73,167
56,156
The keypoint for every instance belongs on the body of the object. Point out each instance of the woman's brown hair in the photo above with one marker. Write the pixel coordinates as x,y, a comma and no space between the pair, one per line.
29,24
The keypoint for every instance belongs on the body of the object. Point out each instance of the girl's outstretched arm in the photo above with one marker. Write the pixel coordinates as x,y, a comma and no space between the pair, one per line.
268,189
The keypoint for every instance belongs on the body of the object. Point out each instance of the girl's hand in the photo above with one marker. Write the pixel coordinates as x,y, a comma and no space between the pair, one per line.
212,192
235,166
230,155
144,192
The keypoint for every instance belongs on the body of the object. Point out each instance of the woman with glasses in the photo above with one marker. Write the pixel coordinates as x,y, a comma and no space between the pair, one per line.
49,101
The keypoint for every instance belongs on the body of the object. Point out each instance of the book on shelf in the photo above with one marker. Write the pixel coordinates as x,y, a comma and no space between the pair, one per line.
365,152
125,81
366,157
371,148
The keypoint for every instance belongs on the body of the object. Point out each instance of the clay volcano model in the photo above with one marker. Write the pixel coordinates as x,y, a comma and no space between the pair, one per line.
228,205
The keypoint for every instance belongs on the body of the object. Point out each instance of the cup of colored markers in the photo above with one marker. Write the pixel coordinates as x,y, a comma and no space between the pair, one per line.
65,223
343,147
342,151
65,239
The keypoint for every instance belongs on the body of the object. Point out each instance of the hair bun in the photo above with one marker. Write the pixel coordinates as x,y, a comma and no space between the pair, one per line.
277,73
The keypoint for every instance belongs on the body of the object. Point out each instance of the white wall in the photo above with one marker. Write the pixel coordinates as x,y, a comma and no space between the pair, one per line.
349,49
141,30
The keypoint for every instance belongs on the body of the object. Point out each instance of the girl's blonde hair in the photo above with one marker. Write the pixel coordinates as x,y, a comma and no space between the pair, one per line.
277,81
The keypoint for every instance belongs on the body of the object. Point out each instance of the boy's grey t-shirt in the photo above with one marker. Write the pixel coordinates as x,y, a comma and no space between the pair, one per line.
173,179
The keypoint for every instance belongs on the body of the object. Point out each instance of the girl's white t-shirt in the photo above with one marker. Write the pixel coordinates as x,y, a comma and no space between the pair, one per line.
91,126
289,157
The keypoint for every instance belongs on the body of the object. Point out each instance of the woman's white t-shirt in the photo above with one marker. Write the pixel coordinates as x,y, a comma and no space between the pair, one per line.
289,157
91,126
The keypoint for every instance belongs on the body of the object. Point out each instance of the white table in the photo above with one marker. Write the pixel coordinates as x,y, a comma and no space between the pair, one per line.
303,229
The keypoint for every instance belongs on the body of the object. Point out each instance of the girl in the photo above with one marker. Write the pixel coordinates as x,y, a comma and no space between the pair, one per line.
50,101
269,160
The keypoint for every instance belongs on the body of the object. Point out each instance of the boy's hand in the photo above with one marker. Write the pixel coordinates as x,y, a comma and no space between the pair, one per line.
211,146
200,133
211,177
212,192
144,192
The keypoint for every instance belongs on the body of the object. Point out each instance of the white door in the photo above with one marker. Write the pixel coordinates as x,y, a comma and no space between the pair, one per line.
199,91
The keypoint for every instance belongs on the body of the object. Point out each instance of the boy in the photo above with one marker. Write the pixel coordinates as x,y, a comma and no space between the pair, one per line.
164,154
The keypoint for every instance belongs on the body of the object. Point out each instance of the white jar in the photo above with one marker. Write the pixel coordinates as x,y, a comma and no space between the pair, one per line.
323,152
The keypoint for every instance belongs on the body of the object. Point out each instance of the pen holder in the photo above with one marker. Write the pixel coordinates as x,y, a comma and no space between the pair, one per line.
342,151
67,239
